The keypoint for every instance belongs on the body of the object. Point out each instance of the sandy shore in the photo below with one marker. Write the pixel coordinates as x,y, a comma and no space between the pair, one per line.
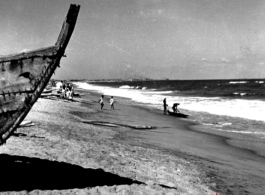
230,169
64,154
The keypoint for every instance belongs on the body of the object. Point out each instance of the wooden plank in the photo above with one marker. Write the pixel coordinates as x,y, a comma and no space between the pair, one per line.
42,52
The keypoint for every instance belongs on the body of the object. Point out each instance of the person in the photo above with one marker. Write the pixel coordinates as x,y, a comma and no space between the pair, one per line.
165,105
69,93
63,91
59,86
175,107
72,89
101,101
111,101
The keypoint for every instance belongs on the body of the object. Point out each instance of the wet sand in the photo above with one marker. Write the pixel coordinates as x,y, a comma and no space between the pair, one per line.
234,170
173,158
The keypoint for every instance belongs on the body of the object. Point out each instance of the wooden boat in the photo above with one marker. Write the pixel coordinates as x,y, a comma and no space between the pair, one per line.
24,76
177,114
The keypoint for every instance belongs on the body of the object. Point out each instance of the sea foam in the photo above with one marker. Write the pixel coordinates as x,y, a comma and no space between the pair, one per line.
248,109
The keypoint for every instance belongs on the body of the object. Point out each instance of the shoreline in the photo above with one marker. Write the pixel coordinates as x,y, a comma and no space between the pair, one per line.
217,164
200,128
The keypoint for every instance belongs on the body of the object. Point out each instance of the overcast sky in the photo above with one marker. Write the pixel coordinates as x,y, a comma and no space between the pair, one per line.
175,39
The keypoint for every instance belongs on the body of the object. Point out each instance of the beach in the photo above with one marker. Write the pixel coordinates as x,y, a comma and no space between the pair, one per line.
77,148
46,155
152,97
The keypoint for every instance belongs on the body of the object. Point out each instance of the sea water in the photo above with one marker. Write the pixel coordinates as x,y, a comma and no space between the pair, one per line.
236,106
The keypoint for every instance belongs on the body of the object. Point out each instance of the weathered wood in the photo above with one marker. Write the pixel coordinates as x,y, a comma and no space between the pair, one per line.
24,76
68,27
17,72
42,52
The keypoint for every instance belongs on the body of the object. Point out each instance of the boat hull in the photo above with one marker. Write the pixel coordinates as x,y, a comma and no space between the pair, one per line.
178,114
24,76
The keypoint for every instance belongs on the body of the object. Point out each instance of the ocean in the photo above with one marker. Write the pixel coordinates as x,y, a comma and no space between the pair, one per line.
228,106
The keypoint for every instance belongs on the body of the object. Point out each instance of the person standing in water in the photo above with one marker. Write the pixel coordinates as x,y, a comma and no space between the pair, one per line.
165,105
101,101
111,101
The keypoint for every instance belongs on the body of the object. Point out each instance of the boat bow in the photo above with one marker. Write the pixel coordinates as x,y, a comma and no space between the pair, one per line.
24,76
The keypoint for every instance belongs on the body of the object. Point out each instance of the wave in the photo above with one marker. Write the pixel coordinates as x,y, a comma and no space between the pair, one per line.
237,82
126,87
218,124
241,108
132,87
202,88
241,94
244,132
158,92
244,116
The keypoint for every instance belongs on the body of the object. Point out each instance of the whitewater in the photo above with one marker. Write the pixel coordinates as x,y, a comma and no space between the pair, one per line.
225,114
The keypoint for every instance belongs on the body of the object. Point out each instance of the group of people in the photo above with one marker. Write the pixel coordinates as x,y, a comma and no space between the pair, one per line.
174,107
67,90
111,101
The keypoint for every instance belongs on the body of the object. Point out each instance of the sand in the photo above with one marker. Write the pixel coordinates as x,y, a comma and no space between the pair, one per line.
76,148
62,154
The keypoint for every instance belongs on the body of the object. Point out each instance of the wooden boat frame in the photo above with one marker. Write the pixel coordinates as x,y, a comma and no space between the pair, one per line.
25,75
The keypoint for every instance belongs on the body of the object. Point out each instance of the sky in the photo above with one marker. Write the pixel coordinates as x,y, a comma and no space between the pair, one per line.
156,39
